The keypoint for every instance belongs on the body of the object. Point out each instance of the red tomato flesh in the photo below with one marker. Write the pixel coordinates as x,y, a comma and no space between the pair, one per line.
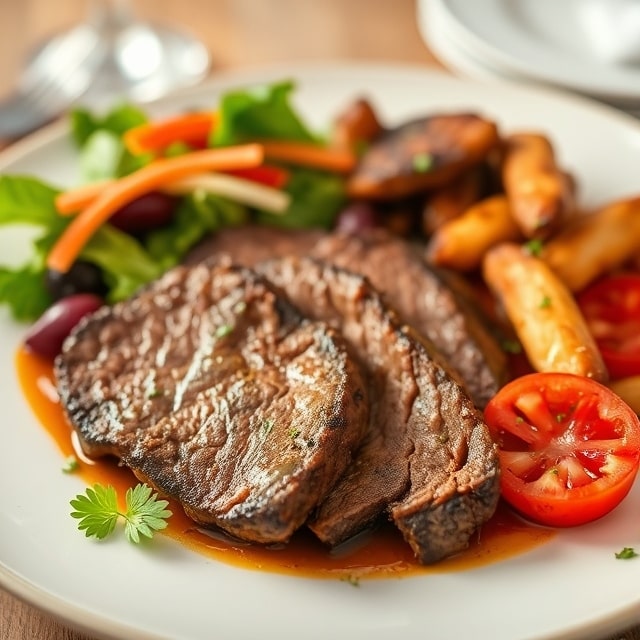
611,308
569,447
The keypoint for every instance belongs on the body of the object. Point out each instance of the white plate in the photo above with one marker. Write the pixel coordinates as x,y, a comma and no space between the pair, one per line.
572,587
542,40
432,18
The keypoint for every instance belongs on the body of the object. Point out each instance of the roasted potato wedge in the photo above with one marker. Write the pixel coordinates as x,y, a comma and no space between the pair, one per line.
594,244
420,155
453,199
543,312
541,194
358,124
461,243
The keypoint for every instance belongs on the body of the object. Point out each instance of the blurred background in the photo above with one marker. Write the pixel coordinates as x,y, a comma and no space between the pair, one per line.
235,32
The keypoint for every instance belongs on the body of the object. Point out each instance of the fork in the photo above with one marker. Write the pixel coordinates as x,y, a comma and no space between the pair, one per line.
58,74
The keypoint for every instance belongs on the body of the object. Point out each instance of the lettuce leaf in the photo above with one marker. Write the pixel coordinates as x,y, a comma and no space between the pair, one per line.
263,112
198,215
316,198
123,117
28,201
129,262
124,261
99,139
126,264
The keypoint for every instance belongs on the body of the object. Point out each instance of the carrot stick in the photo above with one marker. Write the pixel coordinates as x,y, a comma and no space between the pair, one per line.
190,128
310,155
77,199
153,176
74,200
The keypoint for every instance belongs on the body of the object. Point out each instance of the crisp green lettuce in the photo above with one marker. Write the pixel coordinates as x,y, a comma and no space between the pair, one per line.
266,113
124,261
198,215
99,140
84,123
28,201
316,197
259,113
128,262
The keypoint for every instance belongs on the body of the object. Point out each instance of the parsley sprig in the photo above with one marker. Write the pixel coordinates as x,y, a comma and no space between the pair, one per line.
97,510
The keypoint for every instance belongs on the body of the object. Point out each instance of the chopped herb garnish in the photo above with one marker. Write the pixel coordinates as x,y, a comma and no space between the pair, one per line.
422,162
354,581
155,393
511,346
98,512
267,425
294,433
534,247
223,330
545,303
519,419
70,465
553,471
626,553
560,417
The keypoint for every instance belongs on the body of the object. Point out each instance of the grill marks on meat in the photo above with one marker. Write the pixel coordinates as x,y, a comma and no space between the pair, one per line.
447,145
427,457
212,388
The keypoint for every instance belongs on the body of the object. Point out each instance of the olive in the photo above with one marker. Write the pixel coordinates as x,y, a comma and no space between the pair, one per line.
83,277
48,333
356,217
150,211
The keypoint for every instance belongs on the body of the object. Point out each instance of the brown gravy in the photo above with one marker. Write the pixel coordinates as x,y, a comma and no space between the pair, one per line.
380,553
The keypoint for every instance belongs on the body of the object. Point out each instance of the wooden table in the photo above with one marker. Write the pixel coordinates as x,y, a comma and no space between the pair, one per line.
238,33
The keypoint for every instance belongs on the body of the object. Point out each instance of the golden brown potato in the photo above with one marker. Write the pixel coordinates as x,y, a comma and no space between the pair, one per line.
453,199
595,244
544,314
356,125
540,193
461,243
420,155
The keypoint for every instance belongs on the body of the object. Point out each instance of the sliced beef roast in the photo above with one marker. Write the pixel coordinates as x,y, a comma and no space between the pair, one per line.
249,245
212,388
427,458
428,299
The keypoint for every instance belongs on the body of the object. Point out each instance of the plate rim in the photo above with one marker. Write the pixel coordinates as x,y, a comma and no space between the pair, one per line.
97,623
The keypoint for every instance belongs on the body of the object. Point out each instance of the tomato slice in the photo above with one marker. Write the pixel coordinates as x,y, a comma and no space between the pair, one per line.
569,447
611,307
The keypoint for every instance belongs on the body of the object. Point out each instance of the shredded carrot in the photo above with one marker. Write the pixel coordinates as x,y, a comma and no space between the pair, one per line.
77,199
191,128
153,176
339,160
74,200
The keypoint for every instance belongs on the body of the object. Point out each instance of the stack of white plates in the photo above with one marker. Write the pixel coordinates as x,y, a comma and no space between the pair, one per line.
588,46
